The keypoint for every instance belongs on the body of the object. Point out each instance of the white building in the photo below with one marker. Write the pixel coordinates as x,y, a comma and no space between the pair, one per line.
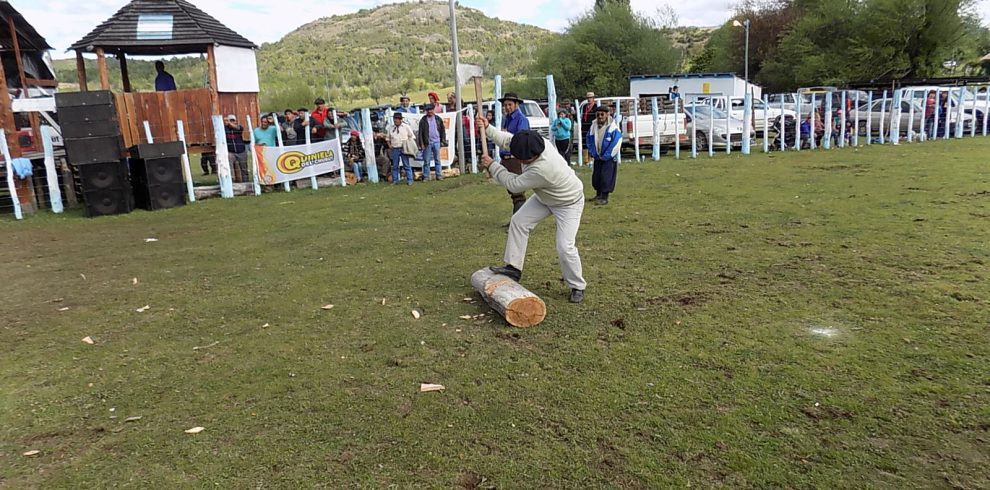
692,85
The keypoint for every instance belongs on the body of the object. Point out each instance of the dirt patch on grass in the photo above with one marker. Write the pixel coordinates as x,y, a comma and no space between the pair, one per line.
689,299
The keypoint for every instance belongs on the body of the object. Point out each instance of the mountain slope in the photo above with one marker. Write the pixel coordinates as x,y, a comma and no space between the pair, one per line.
377,53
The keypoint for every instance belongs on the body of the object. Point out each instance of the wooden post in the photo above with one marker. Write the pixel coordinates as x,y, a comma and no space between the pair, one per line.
214,92
32,117
7,118
124,76
101,64
81,72
481,112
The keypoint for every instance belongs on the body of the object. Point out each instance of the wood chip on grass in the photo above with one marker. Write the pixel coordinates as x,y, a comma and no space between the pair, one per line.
428,387
195,430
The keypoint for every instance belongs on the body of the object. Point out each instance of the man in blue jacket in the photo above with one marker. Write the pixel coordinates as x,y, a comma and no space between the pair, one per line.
604,143
513,122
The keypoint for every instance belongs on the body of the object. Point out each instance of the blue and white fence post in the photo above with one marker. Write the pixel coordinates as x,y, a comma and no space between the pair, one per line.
783,127
498,113
711,126
309,140
960,111
50,173
728,127
869,118
855,135
895,119
368,136
972,127
223,158
843,107
254,156
883,117
799,119
551,104
10,175
678,106
747,121
343,163
656,128
829,123
766,124
694,129
180,128
910,132
986,108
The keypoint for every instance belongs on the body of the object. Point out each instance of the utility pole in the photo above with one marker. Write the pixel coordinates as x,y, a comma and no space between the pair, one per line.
457,86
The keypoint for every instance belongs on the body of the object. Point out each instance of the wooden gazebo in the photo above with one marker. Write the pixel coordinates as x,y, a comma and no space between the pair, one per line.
174,27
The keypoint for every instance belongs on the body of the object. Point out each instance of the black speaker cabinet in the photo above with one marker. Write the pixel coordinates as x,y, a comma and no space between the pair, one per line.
90,129
108,202
160,196
94,150
79,99
149,151
105,187
83,114
156,171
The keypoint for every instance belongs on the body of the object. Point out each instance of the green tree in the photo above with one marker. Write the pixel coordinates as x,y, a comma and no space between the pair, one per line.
600,50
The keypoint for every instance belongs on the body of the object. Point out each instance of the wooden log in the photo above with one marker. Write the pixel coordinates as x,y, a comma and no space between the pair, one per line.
519,306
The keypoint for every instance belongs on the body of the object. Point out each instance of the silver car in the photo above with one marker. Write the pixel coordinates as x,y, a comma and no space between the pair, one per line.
712,122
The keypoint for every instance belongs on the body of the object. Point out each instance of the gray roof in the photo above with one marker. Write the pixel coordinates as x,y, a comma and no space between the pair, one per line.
28,39
166,27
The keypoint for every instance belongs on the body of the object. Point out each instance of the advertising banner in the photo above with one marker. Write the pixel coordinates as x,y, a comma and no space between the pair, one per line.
286,163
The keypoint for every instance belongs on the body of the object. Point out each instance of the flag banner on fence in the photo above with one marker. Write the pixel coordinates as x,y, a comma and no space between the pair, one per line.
286,163
446,147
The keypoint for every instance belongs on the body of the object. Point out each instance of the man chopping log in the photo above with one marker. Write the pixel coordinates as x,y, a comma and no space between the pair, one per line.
557,191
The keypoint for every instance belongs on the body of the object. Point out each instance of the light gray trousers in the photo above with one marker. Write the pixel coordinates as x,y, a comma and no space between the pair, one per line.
568,220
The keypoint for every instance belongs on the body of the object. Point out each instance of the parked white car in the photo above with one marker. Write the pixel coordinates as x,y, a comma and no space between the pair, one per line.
760,110
714,123
538,121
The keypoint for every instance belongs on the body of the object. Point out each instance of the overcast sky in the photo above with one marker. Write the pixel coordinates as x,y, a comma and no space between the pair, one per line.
63,22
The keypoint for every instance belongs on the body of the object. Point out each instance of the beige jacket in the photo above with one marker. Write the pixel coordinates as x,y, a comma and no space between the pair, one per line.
397,136
549,176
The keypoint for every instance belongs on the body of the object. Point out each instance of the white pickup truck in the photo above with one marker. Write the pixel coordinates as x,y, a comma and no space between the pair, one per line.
538,121
671,128
761,114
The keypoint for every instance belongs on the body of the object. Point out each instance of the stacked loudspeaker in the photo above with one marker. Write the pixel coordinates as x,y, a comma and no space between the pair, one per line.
103,178
95,149
156,175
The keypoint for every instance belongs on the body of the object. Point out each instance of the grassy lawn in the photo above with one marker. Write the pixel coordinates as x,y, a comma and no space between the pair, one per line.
800,320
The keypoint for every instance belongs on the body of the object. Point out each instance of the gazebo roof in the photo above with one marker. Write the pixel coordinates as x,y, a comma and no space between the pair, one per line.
28,39
160,27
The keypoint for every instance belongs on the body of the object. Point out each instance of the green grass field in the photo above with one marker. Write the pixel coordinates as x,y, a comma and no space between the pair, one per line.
800,320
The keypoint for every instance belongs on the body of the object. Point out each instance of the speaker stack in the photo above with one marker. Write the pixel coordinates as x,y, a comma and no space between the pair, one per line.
95,149
156,175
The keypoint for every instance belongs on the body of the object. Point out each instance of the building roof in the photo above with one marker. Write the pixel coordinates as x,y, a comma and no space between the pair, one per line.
28,39
160,27
683,76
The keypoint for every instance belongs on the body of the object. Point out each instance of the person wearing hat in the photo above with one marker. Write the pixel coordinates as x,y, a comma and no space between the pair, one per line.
406,106
397,134
562,134
513,122
354,152
318,119
236,149
432,134
435,100
557,191
604,143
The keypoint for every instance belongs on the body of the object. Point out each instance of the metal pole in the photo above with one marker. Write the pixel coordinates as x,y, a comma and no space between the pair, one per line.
457,86
746,71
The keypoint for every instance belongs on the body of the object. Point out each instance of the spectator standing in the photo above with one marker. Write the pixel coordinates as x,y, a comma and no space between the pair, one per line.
675,93
398,133
289,135
354,152
208,161
562,134
406,106
236,149
164,82
930,114
431,135
435,100
604,144
317,120
513,122
265,134
300,125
